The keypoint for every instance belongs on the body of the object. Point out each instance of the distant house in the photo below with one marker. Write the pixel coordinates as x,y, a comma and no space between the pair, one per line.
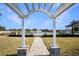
60,31
6,32
44,31
47,32
73,28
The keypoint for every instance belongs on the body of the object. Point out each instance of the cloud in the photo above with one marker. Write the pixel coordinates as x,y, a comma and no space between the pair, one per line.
14,18
7,13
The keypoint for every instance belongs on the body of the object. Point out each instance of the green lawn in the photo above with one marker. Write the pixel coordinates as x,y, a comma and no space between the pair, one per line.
69,45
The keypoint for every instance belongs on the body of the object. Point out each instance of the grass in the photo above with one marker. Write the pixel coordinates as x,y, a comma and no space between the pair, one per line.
8,45
69,46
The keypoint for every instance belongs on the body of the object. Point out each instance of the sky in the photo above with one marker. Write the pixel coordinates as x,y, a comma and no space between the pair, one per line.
38,20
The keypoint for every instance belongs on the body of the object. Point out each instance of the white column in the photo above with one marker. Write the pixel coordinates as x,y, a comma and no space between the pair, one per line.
23,34
54,33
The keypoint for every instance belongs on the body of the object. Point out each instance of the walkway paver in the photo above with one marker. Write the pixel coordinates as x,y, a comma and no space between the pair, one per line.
38,48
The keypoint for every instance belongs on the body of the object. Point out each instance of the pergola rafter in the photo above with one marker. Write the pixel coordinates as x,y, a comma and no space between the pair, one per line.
62,8
33,6
27,7
50,7
15,8
44,6
38,6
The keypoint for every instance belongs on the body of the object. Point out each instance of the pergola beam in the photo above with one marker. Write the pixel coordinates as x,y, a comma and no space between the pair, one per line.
62,8
15,9
27,7
50,7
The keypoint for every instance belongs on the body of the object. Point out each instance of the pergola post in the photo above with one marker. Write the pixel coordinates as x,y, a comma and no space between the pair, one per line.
54,33
23,34
22,51
55,51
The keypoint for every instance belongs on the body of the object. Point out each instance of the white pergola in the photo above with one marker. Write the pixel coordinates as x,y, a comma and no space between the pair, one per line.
63,7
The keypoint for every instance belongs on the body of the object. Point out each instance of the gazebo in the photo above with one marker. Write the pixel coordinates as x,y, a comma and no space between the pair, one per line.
63,7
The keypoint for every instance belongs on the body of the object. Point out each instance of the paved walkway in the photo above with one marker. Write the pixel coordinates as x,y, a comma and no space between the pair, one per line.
38,48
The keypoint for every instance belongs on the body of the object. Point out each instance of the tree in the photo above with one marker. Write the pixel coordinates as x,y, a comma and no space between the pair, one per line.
34,29
2,28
